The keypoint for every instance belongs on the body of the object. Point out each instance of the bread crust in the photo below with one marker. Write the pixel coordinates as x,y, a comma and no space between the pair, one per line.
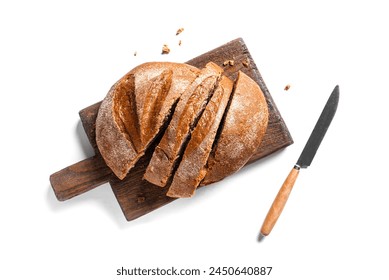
121,138
242,131
189,108
192,167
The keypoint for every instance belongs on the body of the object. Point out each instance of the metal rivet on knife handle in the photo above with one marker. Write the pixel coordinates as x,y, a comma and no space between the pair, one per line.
304,161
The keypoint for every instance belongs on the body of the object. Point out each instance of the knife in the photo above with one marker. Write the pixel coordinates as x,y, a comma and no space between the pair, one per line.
304,161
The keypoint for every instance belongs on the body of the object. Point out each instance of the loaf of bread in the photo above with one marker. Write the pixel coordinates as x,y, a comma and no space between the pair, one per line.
209,125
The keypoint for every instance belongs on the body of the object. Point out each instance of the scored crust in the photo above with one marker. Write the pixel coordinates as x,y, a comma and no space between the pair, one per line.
244,126
146,93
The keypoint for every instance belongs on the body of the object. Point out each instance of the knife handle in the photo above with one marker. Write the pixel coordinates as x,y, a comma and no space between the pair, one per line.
280,201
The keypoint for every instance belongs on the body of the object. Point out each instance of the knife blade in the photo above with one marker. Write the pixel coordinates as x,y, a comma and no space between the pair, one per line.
303,161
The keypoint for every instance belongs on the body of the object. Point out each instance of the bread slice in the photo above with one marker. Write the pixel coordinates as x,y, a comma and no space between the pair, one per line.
188,110
242,131
192,167
136,108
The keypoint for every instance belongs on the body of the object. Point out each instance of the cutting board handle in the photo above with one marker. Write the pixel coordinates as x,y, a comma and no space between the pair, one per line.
80,177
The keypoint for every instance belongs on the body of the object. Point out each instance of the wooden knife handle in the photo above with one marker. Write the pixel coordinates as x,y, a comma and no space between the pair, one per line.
279,202
80,177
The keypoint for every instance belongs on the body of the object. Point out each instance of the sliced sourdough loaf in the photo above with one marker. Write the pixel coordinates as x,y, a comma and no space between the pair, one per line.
215,127
192,167
242,131
136,108
187,112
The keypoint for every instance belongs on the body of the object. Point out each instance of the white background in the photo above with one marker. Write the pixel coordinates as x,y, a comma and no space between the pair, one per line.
59,57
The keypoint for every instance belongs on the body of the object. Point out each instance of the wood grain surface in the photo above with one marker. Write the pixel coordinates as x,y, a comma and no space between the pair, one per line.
137,197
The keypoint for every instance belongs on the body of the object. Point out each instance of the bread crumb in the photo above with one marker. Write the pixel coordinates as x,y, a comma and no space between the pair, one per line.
141,199
135,53
287,87
246,63
165,49
179,31
228,62
179,43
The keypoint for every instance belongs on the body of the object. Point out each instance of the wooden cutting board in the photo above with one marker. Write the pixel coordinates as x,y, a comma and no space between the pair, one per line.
137,197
